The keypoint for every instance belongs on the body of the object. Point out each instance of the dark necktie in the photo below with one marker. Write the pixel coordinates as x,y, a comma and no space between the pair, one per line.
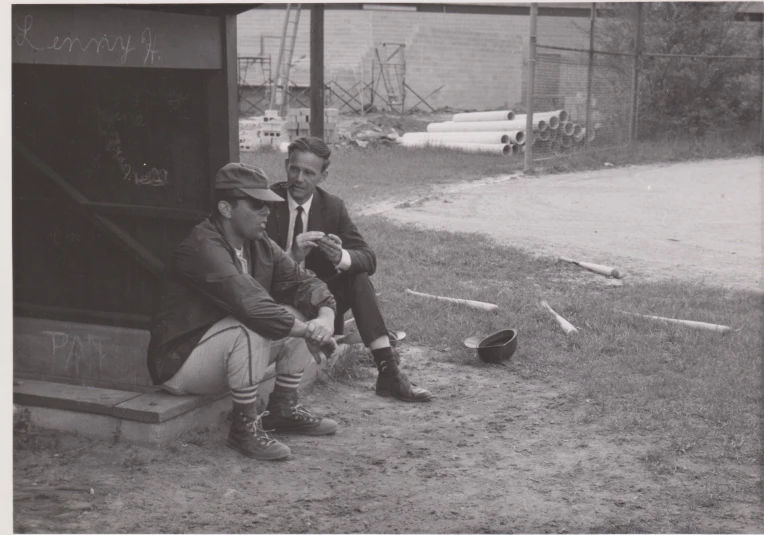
297,225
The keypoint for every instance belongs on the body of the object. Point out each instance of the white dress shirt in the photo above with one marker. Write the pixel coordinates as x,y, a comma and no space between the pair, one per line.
344,261
242,260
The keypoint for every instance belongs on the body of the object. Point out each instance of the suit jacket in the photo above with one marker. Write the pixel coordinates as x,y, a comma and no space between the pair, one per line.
328,214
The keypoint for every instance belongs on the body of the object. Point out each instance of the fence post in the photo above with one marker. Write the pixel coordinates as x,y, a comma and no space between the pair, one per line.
635,78
528,166
592,15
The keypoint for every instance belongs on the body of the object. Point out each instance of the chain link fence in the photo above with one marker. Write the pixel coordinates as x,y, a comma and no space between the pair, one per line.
650,72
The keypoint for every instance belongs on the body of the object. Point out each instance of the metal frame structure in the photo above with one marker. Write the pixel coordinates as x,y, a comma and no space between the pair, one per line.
253,96
389,67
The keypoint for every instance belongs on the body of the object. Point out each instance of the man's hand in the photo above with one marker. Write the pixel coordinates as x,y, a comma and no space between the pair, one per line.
304,243
319,330
331,247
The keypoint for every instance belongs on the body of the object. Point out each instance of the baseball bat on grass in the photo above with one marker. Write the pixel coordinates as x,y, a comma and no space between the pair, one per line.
701,325
565,324
479,305
597,268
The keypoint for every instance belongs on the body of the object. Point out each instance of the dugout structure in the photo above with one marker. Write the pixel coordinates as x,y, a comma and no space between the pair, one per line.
121,117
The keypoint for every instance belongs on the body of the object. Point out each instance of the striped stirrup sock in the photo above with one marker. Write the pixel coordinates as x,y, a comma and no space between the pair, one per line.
291,381
244,396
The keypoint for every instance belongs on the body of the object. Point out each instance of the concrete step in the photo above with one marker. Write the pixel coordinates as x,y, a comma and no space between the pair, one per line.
156,417
153,417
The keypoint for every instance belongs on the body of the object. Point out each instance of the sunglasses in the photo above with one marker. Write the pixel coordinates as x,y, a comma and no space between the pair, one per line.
256,204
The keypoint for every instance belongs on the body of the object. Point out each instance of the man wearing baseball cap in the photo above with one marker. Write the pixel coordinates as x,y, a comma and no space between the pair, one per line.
232,302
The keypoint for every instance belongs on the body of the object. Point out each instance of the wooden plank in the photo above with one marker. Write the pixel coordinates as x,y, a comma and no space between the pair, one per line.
109,385
70,397
231,71
223,107
178,214
103,36
160,406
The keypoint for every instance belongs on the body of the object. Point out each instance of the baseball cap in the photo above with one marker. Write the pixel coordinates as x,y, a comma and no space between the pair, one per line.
247,178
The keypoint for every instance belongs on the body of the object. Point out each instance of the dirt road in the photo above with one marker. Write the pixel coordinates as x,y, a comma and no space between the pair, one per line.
694,221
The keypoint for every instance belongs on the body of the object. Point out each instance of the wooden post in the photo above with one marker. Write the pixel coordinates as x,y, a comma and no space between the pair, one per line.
528,165
635,74
317,70
223,106
589,74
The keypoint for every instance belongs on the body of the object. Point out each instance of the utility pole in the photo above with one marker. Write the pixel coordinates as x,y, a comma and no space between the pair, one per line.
761,71
528,165
635,75
317,70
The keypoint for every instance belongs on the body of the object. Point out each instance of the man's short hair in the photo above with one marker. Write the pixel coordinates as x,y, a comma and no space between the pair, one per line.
311,144
231,196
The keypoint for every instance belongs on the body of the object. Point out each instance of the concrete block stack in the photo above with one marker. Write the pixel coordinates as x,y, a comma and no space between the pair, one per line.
270,130
298,123
265,131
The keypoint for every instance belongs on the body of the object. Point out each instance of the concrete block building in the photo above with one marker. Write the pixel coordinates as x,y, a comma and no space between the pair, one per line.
472,54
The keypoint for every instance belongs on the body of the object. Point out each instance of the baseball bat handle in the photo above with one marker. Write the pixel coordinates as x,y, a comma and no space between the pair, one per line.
480,305
597,268
565,324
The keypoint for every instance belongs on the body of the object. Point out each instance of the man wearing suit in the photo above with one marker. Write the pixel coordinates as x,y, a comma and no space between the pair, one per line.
314,227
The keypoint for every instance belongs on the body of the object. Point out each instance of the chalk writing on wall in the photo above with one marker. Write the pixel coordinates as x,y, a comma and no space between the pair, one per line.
146,177
88,349
109,119
119,45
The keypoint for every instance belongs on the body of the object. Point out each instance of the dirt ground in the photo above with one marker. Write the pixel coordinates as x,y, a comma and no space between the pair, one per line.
496,451
692,221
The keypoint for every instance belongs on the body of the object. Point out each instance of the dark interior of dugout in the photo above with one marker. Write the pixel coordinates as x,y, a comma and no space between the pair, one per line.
110,170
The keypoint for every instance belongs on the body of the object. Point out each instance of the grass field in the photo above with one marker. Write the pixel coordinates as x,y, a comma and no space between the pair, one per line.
728,144
690,389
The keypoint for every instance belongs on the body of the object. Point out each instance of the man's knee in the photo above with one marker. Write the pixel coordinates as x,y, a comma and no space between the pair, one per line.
353,286
293,356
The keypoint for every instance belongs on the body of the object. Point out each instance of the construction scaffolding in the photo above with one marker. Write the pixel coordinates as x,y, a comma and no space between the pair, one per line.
262,88
280,87
254,84
389,67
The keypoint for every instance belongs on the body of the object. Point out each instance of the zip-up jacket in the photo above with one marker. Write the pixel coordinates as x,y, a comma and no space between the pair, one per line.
203,283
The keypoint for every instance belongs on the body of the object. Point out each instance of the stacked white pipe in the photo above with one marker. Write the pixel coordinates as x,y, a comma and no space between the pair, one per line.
485,137
561,132
500,132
